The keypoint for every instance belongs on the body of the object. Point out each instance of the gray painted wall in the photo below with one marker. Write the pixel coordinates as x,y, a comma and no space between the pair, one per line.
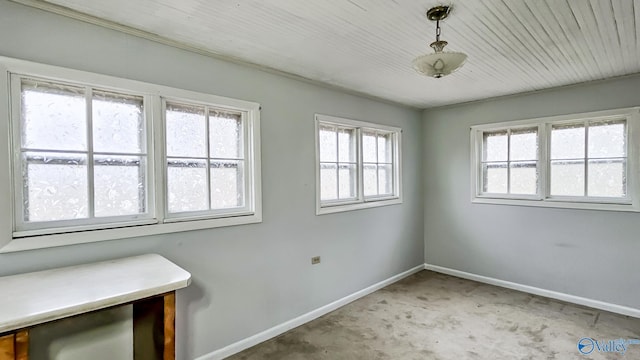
593,254
245,278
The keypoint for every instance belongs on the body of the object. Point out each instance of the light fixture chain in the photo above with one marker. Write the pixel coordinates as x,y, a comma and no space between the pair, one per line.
438,30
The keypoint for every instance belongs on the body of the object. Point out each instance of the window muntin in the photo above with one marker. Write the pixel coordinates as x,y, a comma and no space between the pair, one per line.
586,161
510,161
357,164
205,160
82,155
589,159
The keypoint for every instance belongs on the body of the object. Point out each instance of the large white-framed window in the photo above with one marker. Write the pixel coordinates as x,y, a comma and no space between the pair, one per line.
358,164
583,161
94,157
81,157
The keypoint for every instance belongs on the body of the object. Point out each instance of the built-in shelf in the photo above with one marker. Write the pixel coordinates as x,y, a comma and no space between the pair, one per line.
148,282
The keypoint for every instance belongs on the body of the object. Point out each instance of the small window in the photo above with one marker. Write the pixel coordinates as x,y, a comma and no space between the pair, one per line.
358,164
82,154
377,162
510,161
205,160
338,163
576,161
589,159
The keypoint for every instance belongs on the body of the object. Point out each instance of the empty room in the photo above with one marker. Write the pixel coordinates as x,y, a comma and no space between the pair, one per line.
336,179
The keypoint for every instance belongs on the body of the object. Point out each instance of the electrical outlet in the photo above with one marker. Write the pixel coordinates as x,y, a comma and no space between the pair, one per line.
315,260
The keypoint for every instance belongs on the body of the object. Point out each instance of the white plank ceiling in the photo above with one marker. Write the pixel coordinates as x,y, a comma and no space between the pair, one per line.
367,46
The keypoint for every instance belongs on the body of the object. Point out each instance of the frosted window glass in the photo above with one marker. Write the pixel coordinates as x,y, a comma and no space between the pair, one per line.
607,140
567,142
348,178
328,182
523,144
567,178
495,146
119,185
346,145
53,117
227,184
363,167
385,154
328,143
370,177
225,135
369,151
187,185
524,178
607,178
186,131
118,123
495,178
385,179
55,186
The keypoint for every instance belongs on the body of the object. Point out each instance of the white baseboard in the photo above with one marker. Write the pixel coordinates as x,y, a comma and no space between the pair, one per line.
619,309
302,319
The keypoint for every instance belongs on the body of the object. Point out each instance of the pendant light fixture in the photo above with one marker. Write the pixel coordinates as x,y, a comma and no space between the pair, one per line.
440,63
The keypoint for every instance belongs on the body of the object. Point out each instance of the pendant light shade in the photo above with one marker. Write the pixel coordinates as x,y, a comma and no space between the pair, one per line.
439,63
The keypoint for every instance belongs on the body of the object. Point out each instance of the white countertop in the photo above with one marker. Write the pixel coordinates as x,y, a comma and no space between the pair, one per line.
38,297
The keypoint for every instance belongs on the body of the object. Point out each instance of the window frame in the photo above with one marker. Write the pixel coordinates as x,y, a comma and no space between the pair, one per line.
357,147
360,201
539,164
248,148
12,240
24,229
543,198
394,135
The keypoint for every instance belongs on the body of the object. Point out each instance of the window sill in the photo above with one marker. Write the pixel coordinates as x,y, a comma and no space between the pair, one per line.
561,204
322,210
83,237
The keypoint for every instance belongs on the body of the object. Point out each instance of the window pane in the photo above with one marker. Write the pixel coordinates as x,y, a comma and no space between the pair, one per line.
347,145
385,152
369,152
607,140
187,185
567,178
186,131
328,182
370,178
348,179
607,178
55,186
494,146
53,116
119,185
385,179
567,142
495,178
524,144
118,123
328,143
524,178
227,184
225,135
